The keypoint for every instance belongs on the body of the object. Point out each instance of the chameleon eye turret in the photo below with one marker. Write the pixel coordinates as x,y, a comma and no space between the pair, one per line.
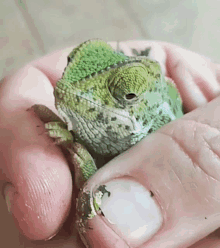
128,83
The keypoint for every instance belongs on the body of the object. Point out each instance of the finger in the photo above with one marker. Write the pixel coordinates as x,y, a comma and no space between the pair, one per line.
168,55
207,242
38,179
212,241
200,68
53,64
10,236
191,94
177,175
156,50
217,70
198,73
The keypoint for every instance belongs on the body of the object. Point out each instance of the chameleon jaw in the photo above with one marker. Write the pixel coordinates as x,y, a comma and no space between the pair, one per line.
68,121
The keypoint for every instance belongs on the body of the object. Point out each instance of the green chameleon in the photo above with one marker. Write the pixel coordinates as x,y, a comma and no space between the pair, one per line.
109,102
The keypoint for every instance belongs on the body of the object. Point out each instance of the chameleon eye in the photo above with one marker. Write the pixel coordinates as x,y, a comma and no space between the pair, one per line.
130,96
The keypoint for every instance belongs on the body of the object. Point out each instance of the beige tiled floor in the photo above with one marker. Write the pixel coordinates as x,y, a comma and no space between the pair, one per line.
32,28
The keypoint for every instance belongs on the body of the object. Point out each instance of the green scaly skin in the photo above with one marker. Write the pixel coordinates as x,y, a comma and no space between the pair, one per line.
109,102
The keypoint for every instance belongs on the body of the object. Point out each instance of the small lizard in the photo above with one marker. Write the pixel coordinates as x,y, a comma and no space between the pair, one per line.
108,102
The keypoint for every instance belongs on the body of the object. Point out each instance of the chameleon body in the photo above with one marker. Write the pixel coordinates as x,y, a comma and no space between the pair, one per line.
109,102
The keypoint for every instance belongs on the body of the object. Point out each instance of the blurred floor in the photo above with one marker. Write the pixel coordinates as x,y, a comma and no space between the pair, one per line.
30,28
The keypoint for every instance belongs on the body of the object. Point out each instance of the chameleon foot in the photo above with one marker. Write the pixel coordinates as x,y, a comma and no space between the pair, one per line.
79,156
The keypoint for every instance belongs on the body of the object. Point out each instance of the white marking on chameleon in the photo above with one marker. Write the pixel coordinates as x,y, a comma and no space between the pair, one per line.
66,118
152,97
93,212
167,110
139,128
81,124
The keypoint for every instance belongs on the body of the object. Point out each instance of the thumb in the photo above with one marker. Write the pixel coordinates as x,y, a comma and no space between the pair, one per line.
34,174
163,192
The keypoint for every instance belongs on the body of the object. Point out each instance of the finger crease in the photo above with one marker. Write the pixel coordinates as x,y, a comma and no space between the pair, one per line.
186,153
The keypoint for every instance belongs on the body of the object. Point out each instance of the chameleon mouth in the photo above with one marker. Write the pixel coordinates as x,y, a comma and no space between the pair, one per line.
105,115
120,110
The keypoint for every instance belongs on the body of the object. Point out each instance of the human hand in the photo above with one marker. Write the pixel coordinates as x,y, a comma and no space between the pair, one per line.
179,164
43,190
42,196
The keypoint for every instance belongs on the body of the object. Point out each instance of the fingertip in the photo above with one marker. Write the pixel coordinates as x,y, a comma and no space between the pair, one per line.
40,198
204,74
158,53
207,82
39,219
101,235
53,64
190,92
121,211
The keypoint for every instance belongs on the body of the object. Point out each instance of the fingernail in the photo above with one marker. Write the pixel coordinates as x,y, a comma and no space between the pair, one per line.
47,239
9,196
130,209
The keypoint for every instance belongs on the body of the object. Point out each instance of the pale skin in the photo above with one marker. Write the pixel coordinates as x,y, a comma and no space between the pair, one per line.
42,179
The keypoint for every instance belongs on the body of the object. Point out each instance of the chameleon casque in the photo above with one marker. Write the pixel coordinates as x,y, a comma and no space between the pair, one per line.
108,102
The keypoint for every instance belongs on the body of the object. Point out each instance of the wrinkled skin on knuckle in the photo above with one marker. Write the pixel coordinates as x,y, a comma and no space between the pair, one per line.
195,161
200,142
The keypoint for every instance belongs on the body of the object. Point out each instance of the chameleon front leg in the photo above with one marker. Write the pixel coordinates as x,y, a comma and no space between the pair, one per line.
78,155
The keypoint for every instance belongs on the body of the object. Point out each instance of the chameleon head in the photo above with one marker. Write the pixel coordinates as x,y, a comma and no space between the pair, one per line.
109,105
